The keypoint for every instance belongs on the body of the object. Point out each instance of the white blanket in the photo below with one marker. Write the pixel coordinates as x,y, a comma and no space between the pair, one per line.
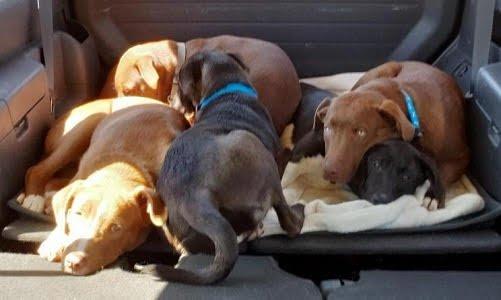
334,208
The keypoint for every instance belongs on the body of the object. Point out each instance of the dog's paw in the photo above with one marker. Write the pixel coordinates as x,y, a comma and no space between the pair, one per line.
150,269
50,250
35,203
251,235
257,232
48,210
296,218
20,198
242,238
430,204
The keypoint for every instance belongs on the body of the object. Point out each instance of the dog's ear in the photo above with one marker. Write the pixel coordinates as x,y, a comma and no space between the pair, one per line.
391,110
190,76
436,190
311,144
148,200
357,183
320,112
146,68
62,201
239,60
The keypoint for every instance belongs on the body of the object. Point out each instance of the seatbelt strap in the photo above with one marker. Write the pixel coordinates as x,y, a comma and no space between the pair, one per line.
482,33
46,33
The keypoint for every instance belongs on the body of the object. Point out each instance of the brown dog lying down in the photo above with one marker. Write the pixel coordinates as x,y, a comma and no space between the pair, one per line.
151,70
375,110
103,211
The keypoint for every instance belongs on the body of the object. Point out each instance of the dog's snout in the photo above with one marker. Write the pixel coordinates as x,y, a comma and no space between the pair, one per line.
336,174
330,175
380,198
75,262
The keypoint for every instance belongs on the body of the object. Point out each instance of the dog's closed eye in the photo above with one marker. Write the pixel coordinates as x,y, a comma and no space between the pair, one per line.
75,212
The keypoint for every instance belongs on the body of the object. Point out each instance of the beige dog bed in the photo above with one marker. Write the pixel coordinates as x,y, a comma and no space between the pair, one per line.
334,208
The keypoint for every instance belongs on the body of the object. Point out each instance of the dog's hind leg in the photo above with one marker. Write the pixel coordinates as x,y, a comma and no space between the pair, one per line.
83,115
69,149
452,170
290,217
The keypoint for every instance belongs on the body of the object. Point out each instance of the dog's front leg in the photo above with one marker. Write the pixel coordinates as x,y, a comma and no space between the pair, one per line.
53,247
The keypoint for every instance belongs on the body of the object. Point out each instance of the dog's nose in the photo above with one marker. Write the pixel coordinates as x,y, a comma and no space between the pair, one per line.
74,262
380,198
330,175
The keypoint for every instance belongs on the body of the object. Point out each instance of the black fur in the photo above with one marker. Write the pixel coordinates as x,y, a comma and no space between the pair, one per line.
395,168
219,178
308,141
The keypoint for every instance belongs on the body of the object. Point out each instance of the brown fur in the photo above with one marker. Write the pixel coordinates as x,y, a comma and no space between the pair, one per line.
375,111
106,208
148,70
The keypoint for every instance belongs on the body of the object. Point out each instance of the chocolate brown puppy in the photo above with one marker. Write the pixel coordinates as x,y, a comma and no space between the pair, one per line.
219,178
407,100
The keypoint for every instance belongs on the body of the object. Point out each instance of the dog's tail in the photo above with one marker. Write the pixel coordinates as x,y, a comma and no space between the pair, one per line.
205,218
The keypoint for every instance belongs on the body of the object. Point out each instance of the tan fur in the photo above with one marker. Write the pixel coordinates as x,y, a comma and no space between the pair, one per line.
286,137
109,204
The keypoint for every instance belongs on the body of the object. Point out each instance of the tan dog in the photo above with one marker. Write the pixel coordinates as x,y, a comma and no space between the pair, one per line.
375,111
104,211
150,70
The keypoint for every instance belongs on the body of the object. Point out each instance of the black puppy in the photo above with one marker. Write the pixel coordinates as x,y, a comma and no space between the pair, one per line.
307,137
220,178
395,168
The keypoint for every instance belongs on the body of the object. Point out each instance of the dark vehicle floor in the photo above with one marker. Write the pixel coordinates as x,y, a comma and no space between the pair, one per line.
25,276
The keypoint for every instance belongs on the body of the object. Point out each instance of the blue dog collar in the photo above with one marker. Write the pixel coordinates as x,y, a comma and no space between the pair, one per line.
412,113
231,88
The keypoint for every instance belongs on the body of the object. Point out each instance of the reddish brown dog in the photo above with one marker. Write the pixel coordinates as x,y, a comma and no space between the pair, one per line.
150,69
375,111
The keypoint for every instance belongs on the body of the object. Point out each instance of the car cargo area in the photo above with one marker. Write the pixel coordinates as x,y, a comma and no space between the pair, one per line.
456,259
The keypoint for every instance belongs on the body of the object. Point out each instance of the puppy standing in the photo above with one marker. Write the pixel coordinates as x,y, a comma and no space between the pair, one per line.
220,178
